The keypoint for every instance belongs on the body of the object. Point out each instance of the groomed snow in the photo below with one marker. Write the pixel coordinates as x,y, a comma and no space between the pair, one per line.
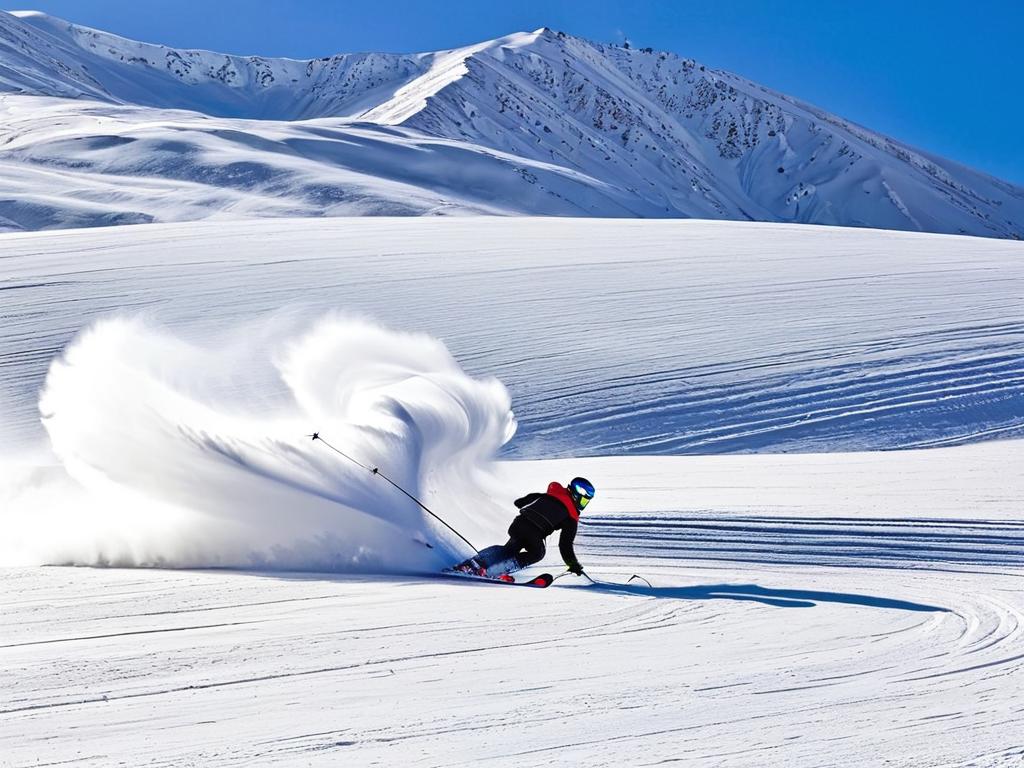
612,336
804,608
789,623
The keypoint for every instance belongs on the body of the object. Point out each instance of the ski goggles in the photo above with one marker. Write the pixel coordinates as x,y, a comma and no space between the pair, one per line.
582,493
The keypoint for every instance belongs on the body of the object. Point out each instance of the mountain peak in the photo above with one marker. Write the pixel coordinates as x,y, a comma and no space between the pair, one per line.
585,128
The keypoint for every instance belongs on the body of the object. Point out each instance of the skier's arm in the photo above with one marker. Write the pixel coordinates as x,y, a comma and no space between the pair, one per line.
527,499
565,540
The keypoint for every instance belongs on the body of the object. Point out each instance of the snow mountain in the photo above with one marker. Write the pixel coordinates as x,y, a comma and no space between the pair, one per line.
97,129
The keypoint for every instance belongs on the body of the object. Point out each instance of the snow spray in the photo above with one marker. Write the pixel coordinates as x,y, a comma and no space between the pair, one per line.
182,454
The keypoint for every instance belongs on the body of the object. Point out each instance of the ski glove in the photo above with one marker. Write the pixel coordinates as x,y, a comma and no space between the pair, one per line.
576,568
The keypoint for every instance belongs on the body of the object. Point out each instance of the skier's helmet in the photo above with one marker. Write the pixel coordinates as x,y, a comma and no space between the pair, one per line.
581,491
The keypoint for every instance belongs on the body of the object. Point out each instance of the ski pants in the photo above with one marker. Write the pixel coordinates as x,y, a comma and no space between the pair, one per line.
525,543
525,547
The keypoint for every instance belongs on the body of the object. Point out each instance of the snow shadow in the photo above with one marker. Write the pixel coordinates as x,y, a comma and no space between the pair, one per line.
781,598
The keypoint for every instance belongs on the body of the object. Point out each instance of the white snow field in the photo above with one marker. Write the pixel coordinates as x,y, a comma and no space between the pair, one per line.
813,599
99,130
837,609
612,336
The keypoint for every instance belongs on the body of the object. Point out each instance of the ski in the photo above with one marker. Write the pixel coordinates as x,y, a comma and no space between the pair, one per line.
539,582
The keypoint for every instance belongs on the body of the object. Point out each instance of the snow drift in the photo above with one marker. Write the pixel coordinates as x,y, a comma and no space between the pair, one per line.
182,455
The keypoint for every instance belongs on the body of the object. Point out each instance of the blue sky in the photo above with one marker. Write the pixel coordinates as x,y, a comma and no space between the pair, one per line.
944,76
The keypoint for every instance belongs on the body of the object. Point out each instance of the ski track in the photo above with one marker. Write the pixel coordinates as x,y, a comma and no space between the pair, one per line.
227,668
773,635
684,337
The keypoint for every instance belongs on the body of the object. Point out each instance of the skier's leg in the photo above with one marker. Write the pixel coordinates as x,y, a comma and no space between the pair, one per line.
491,555
526,543
514,555
533,552
503,558
481,560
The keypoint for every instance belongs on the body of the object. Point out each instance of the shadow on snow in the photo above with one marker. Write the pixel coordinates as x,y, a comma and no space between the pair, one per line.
782,598
754,593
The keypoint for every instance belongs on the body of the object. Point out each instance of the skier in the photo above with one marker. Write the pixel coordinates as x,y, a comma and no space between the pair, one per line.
540,515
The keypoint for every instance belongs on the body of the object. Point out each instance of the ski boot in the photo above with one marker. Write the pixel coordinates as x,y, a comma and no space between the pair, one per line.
472,567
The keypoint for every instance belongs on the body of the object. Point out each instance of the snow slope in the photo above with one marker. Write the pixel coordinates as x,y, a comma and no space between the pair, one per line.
612,336
803,608
97,129
173,165
179,369
851,609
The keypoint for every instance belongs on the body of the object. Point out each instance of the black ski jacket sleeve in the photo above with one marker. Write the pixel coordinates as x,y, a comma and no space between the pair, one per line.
565,540
527,499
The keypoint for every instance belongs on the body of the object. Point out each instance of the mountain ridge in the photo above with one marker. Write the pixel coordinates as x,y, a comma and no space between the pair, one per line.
639,132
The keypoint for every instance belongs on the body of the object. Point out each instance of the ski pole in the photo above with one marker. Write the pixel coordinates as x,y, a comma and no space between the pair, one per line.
376,471
596,582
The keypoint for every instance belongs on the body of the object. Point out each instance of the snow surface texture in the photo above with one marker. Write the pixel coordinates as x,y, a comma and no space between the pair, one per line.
97,130
612,336
804,609
180,426
752,648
